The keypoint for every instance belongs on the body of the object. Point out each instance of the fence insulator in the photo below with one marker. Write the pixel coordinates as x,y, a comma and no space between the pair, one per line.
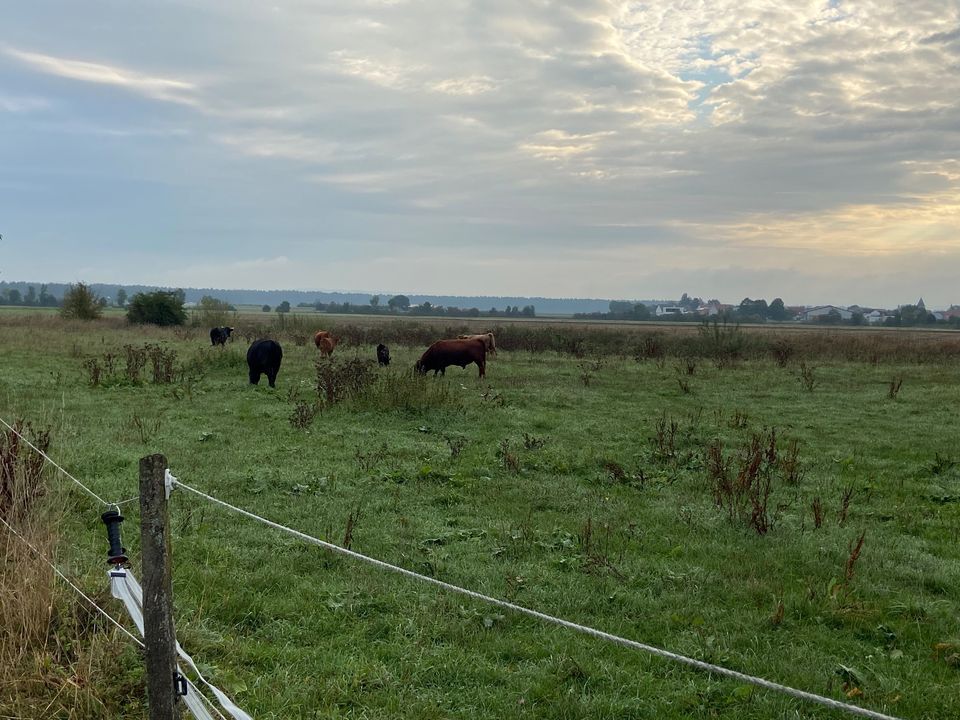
117,555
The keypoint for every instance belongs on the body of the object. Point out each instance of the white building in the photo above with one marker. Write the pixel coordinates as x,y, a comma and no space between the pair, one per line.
814,314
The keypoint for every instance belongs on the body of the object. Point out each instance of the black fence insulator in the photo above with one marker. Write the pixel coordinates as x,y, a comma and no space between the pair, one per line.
117,555
180,683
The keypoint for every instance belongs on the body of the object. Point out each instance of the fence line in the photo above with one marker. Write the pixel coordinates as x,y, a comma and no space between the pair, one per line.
626,642
50,460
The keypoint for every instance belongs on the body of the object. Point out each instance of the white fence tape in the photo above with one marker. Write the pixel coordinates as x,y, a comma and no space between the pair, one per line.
124,587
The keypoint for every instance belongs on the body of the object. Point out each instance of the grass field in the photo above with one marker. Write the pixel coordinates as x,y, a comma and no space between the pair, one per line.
584,487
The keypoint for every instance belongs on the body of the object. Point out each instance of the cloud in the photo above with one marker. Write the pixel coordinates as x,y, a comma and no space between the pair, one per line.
617,136
157,88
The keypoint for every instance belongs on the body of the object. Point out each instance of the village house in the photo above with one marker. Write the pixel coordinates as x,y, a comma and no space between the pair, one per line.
814,314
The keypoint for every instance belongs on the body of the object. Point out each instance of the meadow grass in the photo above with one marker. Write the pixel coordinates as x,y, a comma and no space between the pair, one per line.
589,499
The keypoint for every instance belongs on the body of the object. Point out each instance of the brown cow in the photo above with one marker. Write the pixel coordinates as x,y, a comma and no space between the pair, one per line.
444,353
487,341
320,334
326,344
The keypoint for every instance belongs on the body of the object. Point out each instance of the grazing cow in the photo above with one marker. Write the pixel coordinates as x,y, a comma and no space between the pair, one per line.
319,336
444,353
326,344
487,341
383,355
264,357
220,335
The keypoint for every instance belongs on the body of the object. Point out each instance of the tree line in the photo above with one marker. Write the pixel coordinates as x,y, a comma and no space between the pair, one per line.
13,296
400,304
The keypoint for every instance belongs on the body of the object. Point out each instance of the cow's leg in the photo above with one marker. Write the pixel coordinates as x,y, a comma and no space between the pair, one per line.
483,368
272,378
254,378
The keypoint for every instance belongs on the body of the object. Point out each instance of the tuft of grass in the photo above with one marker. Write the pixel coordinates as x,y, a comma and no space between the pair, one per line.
807,377
55,650
893,388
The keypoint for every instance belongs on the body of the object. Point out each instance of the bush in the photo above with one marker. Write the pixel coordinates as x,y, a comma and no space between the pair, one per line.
157,308
80,303
212,312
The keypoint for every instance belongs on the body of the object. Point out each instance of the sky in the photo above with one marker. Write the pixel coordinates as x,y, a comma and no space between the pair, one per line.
725,148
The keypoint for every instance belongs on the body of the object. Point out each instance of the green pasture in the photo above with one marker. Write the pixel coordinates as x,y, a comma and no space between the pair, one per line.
575,487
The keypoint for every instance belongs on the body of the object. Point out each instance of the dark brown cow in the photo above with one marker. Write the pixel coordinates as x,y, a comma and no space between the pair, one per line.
444,353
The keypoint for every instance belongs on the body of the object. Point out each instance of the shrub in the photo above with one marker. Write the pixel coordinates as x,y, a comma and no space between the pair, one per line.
742,484
80,303
303,414
21,470
338,380
157,308
212,312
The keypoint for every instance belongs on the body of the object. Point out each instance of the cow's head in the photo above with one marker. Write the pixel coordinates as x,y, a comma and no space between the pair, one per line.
419,368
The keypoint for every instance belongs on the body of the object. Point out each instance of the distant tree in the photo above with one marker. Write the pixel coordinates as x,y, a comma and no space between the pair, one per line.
283,307
31,297
752,310
14,297
266,308
212,311
425,308
858,319
529,311
777,311
157,308
620,307
399,302
121,297
832,318
81,303
641,312
46,299
375,301
915,315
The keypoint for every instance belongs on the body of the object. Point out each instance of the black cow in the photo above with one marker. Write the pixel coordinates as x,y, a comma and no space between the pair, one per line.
383,355
264,357
220,335
444,353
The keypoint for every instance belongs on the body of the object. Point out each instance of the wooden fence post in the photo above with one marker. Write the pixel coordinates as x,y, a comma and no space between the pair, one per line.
159,635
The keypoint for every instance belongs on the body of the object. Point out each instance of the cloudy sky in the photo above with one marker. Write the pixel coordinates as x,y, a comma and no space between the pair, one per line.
727,148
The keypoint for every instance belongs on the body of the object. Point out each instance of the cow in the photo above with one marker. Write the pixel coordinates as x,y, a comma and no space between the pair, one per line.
326,344
487,338
220,335
383,355
444,353
320,334
264,357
